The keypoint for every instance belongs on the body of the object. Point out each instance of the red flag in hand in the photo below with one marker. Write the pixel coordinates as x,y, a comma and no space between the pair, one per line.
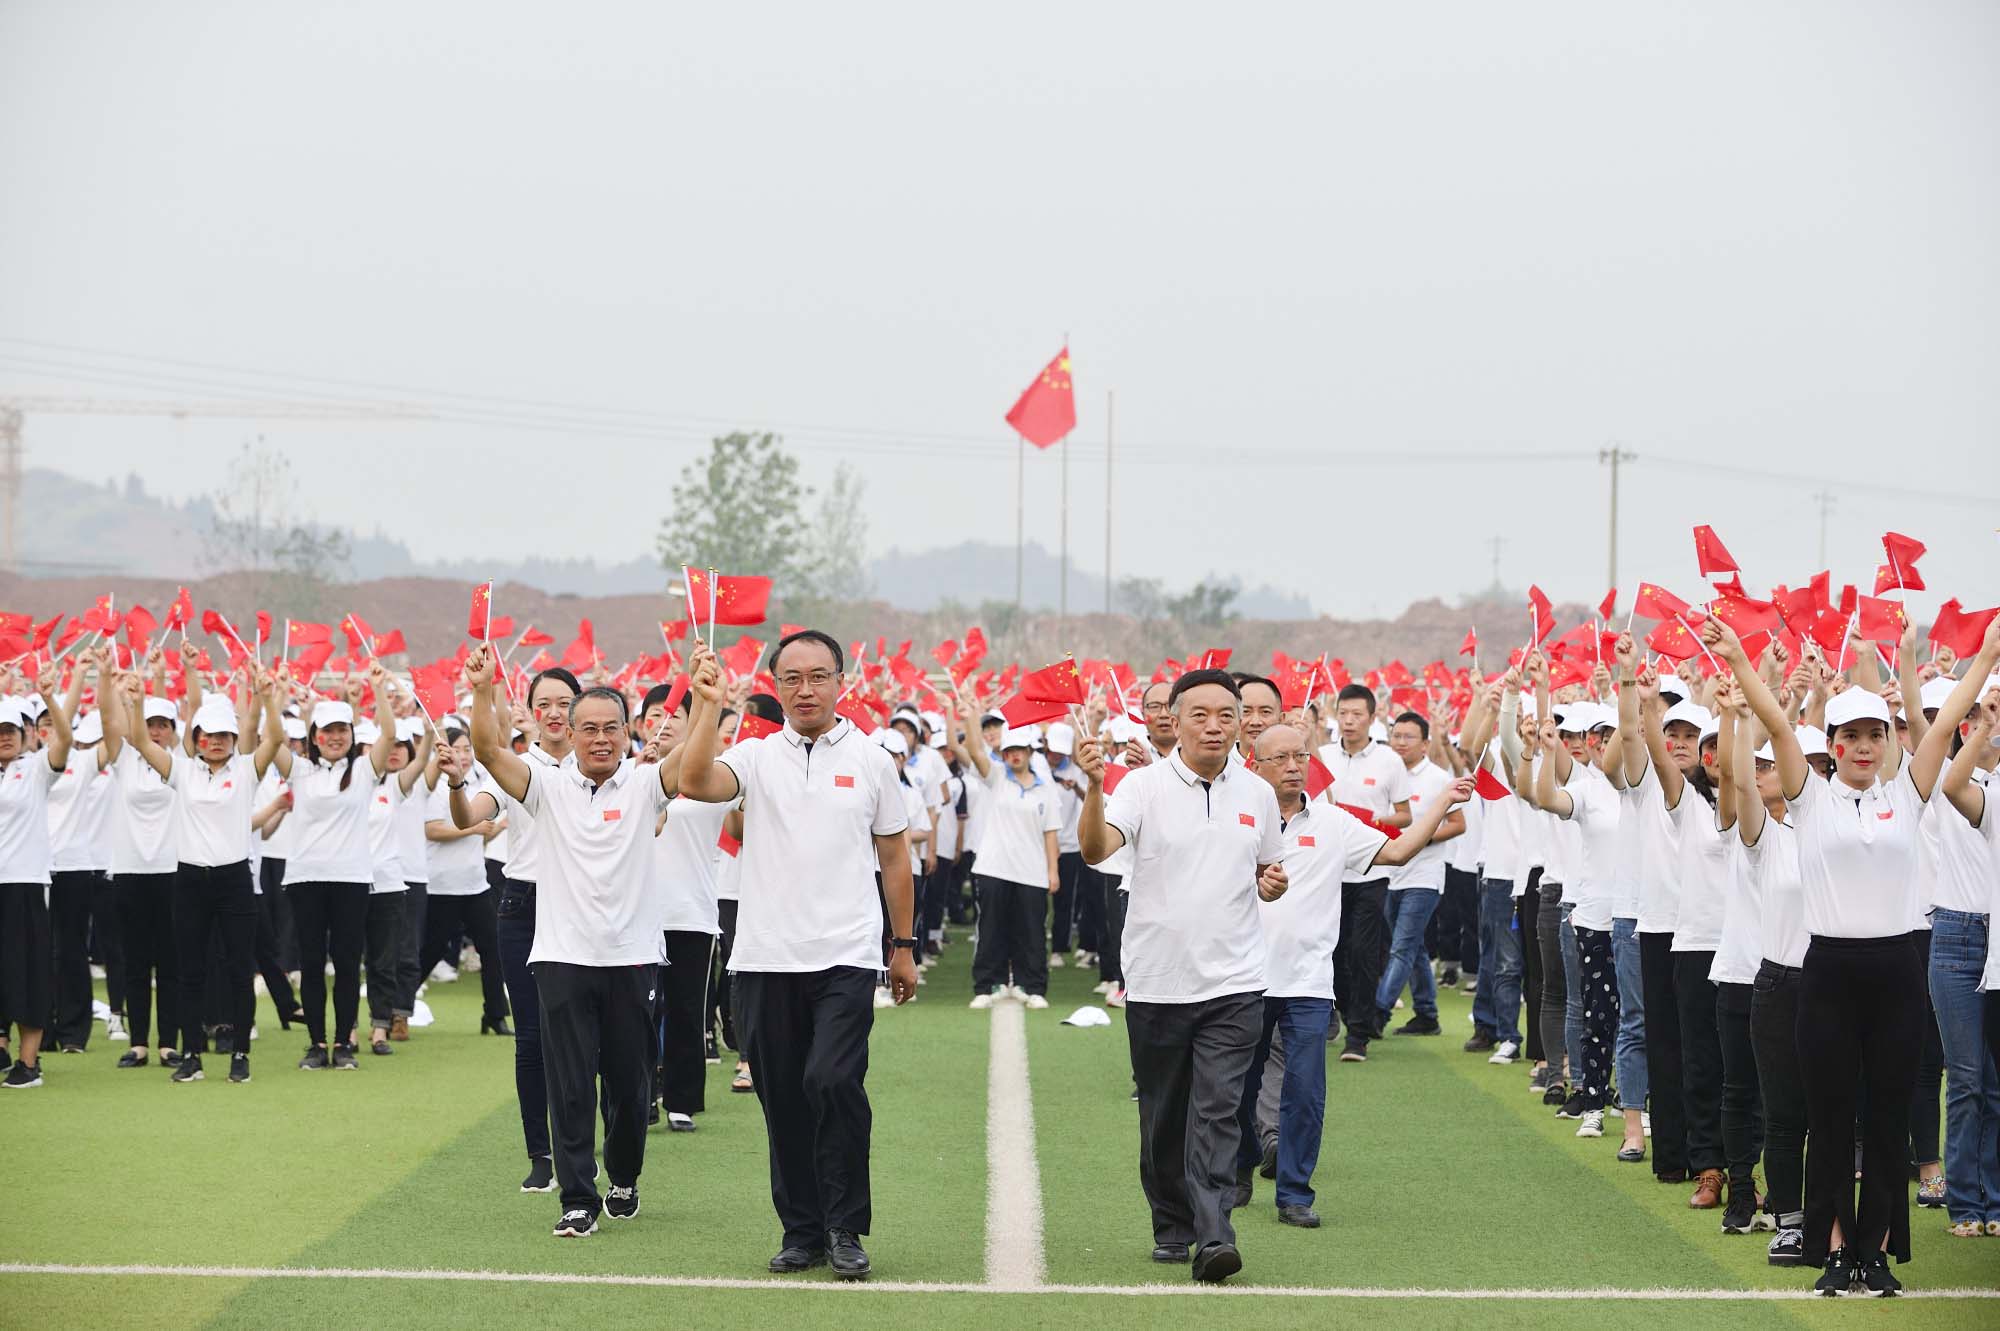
139,626
1470,647
1391,832
1113,774
1022,710
305,633
388,644
1659,603
1046,411
1318,777
534,637
1889,578
581,654
1904,552
1543,613
482,606
1489,786
180,612
1959,629
501,626
432,685
1709,551
1673,639
752,726
1061,682
1609,604
740,599
1881,621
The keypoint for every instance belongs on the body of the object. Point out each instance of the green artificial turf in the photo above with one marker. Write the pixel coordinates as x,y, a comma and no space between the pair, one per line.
1439,1171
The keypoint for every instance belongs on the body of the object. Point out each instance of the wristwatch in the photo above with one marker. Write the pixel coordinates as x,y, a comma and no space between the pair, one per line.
456,785
909,943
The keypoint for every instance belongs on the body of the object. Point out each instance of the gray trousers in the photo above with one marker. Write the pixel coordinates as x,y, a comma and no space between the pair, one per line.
1268,1092
1190,1061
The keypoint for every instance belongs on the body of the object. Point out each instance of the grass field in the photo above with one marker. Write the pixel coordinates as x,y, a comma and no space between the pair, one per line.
1439,1175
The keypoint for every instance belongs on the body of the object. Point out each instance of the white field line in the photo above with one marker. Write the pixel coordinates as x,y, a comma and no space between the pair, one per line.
966,1287
1013,1178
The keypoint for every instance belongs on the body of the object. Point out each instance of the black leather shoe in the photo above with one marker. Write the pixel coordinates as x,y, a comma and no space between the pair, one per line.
1216,1263
494,1026
793,1259
844,1255
1171,1254
1244,1187
1302,1216
1268,1166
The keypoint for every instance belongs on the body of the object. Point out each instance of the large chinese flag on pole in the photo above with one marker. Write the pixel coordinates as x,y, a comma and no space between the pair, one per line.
1047,410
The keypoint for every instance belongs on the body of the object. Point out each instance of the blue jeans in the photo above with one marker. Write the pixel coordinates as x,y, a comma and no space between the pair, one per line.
1972,1088
1632,1079
1302,1023
1573,1008
1496,1006
1409,912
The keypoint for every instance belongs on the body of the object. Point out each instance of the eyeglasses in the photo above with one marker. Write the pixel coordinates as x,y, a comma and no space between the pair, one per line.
1155,708
609,728
817,679
1287,759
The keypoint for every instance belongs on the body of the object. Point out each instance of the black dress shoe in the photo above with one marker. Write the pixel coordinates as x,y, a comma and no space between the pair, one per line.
132,1058
844,1254
1171,1254
1244,1187
1302,1216
1216,1263
494,1026
1268,1166
791,1259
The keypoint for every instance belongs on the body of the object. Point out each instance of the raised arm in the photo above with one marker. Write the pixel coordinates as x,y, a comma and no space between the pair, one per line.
1730,728
1631,756
701,777
271,735
1965,794
419,767
1928,760
1098,839
1548,795
385,719
1403,849
1792,769
972,750
1910,686
57,748
489,741
1739,777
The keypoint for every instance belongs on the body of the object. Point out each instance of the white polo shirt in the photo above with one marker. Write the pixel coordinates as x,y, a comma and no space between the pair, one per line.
1429,784
385,850
1965,866
1191,927
146,842
1858,855
412,846
1741,949
214,806
330,832
684,855
598,899
811,811
1989,829
24,819
1071,802
1502,852
522,839
1774,862
1629,874
1704,870
1322,845
1593,817
458,868
1659,855
1373,779
1012,849
278,845
80,811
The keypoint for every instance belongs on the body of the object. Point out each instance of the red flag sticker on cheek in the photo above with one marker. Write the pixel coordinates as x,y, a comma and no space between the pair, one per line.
1840,750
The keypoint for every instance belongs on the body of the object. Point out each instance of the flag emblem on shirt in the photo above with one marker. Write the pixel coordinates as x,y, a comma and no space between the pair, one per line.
1367,780
843,783
1885,817
381,799
613,815
229,785
1307,841
1247,819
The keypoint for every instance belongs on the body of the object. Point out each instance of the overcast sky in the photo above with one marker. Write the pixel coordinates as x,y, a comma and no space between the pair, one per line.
1318,250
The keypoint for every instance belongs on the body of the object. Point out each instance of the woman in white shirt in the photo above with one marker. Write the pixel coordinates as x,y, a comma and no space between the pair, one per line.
1733,972
81,805
461,899
1016,870
330,870
1861,996
408,782
27,986
145,855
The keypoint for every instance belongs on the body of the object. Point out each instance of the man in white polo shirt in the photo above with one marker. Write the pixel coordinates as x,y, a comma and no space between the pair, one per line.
1207,845
1417,886
598,943
823,813
1368,776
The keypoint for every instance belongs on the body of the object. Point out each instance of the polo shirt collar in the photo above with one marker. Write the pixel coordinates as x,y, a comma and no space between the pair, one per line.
840,731
612,782
1187,774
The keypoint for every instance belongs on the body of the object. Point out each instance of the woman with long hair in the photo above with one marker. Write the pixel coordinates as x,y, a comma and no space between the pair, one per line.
145,856
461,899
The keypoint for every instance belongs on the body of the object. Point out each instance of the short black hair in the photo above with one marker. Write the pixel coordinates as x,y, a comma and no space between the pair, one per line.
1357,693
624,708
765,708
825,640
558,674
659,693
1195,679
1415,719
1244,679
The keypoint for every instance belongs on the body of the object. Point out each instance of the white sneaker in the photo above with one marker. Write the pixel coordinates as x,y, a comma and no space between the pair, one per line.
883,998
1036,1001
1102,987
96,971
114,1028
468,960
1012,991
1592,1125
443,973
981,1001
1056,961
1116,998
1646,1121
1504,1053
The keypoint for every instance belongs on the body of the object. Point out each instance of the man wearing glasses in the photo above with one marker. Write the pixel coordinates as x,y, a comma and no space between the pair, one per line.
823,814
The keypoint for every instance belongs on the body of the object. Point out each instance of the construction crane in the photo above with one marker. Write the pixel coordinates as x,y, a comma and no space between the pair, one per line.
15,409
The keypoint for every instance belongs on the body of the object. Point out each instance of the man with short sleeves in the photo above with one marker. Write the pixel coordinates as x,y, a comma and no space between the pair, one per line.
823,813
1367,776
1206,848
1416,887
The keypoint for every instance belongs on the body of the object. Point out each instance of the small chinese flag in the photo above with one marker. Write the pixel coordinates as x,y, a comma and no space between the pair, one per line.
1608,605
740,599
1318,777
1543,613
304,633
1489,786
752,726
181,611
1710,553
1880,620
500,626
1960,629
1672,639
388,644
729,844
1247,819
1061,682
1046,411
534,637
1113,774
482,605
1391,832
843,782
1659,603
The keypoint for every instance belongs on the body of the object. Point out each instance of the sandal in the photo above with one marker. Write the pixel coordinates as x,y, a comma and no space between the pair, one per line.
1966,1229
741,1082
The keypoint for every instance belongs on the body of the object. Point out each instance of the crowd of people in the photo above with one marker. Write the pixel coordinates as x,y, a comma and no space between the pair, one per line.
1731,912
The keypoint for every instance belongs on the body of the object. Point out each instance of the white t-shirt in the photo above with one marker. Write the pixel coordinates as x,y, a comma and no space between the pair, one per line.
948,824
24,819
1070,801
1428,784
919,817
1660,856
1704,866
1191,927
1629,873
145,839
81,805
1989,829
1774,862
1373,779
385,850
684,855
1017,819
1467,851
1322,844
1858,855
1502,852
330,825
458,867
522,840
1965,867
1594,810
412,846
214,806
1741,948
278,845
811,811
728,872
598,899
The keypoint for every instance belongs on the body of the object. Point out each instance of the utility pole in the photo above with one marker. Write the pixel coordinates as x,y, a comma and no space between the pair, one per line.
1109,404
10,481
1496,542
1824,499
1020,513
1614,455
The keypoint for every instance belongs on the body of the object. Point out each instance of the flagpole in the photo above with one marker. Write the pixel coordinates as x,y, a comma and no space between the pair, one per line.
1108,405
1062,596
1020,513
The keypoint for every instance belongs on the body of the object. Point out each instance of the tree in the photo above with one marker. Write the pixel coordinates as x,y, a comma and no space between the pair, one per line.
289,565
739,510
1205,605
835,557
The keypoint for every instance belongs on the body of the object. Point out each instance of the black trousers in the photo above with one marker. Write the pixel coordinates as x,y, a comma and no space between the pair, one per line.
1860,1028
1458,920
1774,1024
958,905
722,989
1110,953
1069,871
332,922
1930,1070
278,907
73,898
1013,935
27,983
416,918
1358,957
683,1021
275,942
1088,916
1191,1061
943,884
1742,1106
806,1035
1701,1061
444,918
531,1087
1528,913
385,959
1554,1015
146,918
597,1021
1663,1053
210,901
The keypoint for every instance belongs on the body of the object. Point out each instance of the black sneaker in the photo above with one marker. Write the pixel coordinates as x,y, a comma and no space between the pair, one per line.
845,1255
712,1053
1450,977
622,1203
1482,1042
189,1070
579,1222
1840,1276
23,1075
239,1068
1538,1080
1789,1247
132,1058
6,1059
315,1059
1878,1278
344,1059
541,1175
1555,1093
1571,1107
1420,1026
1739,1217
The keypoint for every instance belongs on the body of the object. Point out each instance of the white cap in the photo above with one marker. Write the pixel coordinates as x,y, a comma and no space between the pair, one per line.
1673,686
1062,738
294,728
216,716
1575,717
1713,730
411,728
1853,705
12,713
1935,692
892,740
1020,737
32,706
159,709
329,713
934,720
1764,754
1124,729
366,732
1813,742
1688,713
992,718
940,738
89,730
